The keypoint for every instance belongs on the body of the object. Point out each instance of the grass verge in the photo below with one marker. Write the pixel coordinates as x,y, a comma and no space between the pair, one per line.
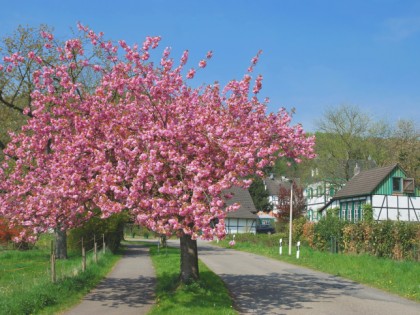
398,277
208,296
26,288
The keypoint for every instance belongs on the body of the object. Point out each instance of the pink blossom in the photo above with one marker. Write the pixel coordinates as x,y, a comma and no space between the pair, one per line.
190,74
202,64
258,84
142,141
47,35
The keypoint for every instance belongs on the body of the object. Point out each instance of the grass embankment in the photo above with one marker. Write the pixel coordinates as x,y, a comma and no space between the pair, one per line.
205,297
398,277
25,280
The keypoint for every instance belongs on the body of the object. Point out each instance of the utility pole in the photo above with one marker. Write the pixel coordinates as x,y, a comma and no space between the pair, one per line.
291,217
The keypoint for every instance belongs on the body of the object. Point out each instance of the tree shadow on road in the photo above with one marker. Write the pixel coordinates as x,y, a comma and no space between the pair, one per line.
126,291
276,293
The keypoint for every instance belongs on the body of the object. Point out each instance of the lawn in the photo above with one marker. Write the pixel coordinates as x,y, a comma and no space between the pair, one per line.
398,277
25,280
206,297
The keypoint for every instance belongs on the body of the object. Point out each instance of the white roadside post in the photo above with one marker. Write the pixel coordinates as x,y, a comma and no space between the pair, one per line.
281,247
291,217
298,250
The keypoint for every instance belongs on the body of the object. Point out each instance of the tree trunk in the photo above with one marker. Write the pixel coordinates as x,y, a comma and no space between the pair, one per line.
189,259
60,244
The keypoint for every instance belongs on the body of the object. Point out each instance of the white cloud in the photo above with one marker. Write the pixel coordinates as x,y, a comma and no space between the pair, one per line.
399,29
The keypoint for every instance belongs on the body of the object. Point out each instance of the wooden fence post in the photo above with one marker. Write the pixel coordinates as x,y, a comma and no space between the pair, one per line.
83,259
53,272
96,253
103,243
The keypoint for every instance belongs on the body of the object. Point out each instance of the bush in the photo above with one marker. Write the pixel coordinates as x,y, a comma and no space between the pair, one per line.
396,240
7,234
367,213
308,233
390,239
328,229
357,237
111,228
297,228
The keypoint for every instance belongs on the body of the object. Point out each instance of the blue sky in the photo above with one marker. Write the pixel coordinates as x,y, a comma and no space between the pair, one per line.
316,54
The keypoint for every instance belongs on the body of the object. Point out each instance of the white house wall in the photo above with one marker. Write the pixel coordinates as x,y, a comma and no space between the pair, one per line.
396,208
316,203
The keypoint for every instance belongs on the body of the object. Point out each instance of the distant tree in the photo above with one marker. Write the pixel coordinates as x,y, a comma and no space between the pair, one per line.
378,142
259,195
341,139
298,205
405,147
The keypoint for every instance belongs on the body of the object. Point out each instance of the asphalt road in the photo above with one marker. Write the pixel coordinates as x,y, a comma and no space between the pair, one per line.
257,284
128,289
261,285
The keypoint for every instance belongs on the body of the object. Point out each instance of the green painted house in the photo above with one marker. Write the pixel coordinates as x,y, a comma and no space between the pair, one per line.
391,193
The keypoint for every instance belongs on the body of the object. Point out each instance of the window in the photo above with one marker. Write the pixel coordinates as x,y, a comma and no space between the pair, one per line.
343,211
408,185
356,211
396,184
349,211
310,215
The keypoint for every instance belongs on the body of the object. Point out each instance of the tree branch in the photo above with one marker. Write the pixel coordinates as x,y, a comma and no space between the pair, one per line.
12,106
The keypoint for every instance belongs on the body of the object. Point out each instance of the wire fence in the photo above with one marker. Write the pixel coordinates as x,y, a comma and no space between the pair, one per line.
47,265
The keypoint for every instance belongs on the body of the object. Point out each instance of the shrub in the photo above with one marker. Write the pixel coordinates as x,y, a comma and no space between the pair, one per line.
7,234
308,233
383,241
297,228
367,213
404,235
357,237
327,230
111,228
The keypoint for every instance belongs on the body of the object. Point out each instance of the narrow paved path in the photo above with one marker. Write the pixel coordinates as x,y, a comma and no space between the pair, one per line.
128,289
262,285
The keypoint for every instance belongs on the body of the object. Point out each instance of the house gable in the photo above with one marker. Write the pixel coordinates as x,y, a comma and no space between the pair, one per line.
393,184
366,182
247,208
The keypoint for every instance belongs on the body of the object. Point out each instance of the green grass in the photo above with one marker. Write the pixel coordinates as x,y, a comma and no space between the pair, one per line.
398,277
205,297
25,281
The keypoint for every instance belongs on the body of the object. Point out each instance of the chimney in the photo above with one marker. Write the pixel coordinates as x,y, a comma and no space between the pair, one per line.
356,170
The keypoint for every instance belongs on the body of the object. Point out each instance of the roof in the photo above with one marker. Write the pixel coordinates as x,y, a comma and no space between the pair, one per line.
365,182
273,185
247,209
